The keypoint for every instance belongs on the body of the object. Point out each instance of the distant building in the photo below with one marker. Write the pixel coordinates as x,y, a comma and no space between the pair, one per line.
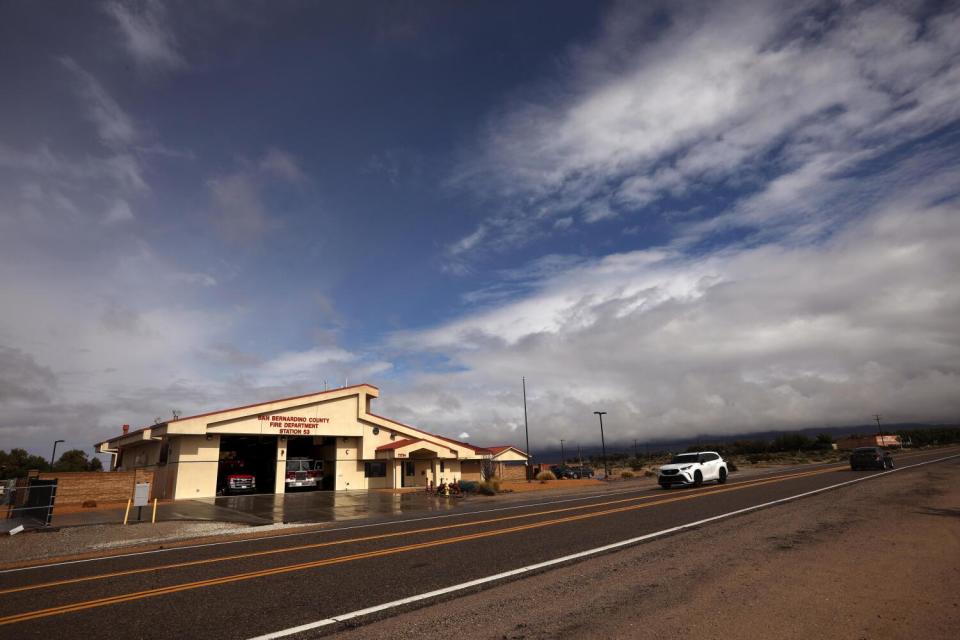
852,442
509,462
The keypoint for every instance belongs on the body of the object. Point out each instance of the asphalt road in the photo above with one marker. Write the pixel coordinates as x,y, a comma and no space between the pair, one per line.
246,589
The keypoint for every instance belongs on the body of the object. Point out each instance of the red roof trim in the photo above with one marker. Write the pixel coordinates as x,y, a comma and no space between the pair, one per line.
257,404
246,406
398,444
503,447
433,435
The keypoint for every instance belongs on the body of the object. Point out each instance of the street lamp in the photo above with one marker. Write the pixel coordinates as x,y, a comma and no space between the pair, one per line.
527,469
54,454
563,458
606,470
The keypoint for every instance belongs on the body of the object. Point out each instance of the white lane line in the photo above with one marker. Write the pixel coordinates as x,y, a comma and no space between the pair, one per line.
367,525
568,558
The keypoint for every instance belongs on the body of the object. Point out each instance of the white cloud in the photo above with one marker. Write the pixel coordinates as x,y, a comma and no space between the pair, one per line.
115,127
774,336
239,211
467,242
147,36
119,211
282,165
733,91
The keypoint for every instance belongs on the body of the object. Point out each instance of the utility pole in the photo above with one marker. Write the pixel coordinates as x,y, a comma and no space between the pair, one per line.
603,444
580,457
563,458
526,429
635,454
876,417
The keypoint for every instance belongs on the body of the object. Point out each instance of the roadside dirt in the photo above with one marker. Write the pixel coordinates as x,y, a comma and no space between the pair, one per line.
549,485
879,559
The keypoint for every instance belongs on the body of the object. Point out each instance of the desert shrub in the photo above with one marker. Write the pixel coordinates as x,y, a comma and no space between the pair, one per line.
469,486
790,442
487,489
731,465
627,474
649,473
543,476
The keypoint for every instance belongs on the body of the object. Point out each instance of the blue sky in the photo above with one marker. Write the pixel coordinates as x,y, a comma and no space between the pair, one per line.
704,218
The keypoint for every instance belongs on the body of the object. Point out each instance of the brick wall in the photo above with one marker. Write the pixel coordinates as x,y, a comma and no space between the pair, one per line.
102,486
511,471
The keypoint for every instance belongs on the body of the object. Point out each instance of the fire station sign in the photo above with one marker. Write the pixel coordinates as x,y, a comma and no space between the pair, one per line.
292,425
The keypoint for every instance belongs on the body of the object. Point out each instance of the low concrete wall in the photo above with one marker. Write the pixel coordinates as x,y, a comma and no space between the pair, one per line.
102,486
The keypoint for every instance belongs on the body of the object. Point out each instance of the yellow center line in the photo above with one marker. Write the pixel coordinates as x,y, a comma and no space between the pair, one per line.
380,536
101,602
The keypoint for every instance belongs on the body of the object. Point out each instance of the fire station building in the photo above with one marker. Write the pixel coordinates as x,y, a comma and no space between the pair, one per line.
331,433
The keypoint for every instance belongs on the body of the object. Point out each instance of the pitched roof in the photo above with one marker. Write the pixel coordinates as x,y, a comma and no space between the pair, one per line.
399,443
503,447
257,404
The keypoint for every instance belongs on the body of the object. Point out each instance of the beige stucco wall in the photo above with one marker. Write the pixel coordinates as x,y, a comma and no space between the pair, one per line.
280,477
450,472
196,459
349,475
325,418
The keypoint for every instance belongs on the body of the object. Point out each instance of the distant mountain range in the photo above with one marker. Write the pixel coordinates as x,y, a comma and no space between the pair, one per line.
551,452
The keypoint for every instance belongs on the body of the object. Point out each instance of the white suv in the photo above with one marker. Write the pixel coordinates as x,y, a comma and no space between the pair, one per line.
693,468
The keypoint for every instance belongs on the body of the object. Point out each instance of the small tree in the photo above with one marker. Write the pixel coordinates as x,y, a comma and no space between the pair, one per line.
17,462
72,460
487,469
823,441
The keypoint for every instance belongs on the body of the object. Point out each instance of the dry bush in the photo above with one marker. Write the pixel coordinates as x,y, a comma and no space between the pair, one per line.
543,476
487,489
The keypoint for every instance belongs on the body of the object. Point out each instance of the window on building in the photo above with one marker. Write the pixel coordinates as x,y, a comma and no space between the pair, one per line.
164,452
375,469
442,467
408,468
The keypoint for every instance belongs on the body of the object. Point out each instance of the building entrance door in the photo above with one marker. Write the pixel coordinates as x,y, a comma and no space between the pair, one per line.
409,475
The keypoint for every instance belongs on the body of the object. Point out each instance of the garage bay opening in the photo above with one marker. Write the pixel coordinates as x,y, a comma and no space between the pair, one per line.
307,466
248,464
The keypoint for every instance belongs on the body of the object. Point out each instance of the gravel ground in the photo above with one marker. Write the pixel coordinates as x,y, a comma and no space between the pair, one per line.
879,559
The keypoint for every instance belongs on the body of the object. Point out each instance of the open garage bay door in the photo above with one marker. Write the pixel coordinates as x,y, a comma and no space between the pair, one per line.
246,461
306,457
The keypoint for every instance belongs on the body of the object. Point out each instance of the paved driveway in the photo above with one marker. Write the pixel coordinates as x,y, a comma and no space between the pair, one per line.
312,506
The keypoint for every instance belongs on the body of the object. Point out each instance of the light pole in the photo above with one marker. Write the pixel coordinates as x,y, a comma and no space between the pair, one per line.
54,454
876,417
526,429
563,458
603,444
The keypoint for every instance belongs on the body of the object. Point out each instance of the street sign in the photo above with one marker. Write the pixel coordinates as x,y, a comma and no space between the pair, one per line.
141,494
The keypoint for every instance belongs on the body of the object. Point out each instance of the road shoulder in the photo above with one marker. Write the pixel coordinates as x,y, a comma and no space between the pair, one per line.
878,559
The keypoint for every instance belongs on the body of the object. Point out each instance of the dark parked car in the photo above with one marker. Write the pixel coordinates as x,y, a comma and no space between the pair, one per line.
566,472
870,458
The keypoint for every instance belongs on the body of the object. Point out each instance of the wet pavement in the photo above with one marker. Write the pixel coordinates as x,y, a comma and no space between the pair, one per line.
263,509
